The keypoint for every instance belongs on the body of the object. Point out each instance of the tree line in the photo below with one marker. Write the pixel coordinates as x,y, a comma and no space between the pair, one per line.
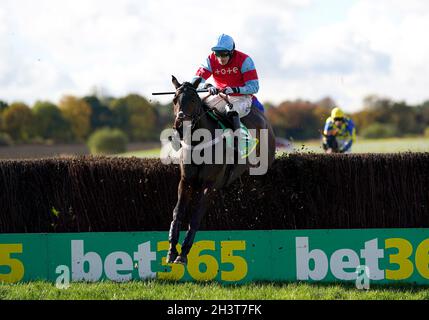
75,119
379,117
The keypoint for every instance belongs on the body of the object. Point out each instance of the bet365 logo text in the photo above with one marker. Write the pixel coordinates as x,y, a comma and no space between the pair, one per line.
208,260
10,262
88,265
400,259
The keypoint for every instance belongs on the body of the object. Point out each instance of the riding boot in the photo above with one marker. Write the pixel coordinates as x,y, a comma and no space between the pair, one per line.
233,115
235,119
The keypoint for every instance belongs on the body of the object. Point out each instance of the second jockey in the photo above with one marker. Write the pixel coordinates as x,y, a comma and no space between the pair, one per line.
234,74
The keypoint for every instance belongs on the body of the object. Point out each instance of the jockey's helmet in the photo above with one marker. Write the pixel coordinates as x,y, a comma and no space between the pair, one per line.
224,43
337,113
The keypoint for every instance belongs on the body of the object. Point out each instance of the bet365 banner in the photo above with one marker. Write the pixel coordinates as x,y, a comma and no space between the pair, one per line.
387,255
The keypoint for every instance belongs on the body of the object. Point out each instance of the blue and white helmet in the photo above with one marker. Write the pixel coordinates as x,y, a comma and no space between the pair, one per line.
224,43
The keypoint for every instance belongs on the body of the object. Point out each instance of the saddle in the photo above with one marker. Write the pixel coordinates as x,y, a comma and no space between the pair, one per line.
246,143
223,120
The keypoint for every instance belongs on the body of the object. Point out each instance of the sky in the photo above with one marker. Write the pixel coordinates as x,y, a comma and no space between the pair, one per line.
302,49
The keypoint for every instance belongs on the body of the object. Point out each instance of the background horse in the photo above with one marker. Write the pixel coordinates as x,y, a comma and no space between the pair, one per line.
330,144
199,181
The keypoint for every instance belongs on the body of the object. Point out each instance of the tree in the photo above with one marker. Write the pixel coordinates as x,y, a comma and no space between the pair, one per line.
3,107
296,119
425,112
422,116
379,131
137,117
50,123
326,103
374,102
363,119
165,114
403,117
18,122
78,113
101,115
268,105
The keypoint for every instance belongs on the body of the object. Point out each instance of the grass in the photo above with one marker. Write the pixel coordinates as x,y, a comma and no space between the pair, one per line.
162,290
392,145
150,153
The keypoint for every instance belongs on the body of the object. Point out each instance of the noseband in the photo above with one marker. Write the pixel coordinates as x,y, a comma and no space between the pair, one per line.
182,116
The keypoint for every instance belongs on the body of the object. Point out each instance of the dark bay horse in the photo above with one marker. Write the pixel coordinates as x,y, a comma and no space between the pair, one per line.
199,181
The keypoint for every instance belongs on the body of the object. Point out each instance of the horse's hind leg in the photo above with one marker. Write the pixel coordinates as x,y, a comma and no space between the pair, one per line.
178,214
201,197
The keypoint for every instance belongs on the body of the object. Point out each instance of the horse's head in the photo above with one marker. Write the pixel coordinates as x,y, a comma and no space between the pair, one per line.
187,102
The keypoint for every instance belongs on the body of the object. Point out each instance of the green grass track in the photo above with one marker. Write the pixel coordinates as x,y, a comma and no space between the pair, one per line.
161,290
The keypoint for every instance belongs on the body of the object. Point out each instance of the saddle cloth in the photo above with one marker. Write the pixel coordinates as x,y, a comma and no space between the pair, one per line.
246,144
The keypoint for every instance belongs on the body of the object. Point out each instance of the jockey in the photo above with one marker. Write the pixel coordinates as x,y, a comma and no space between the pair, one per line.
234,74
339,132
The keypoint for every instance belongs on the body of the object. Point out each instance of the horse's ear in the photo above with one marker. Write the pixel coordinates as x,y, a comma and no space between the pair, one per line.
175,82
197,82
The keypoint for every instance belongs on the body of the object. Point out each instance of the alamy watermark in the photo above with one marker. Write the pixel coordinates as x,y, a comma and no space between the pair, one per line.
63,280
201,147
363,278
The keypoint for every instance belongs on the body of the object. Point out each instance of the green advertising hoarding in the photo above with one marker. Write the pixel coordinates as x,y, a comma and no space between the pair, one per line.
387,255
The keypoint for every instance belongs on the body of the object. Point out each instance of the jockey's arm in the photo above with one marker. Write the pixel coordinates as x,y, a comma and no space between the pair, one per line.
329,129
352,132
251,87
332,132
204,72
250,77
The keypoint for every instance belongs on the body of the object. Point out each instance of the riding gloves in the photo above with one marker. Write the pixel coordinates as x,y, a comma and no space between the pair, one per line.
213,91
229,90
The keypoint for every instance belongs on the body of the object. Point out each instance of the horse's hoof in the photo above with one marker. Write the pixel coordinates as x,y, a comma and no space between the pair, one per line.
171,257
181,260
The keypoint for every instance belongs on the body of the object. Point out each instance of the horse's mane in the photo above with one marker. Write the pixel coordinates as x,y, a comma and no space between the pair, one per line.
204,105
187,84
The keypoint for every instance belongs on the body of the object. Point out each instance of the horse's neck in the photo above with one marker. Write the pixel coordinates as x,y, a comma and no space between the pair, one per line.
205,121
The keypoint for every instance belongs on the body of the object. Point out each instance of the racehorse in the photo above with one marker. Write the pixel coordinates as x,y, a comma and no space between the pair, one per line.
330,144
199,181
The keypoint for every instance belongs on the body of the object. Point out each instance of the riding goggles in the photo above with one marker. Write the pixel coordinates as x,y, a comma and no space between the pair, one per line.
222,54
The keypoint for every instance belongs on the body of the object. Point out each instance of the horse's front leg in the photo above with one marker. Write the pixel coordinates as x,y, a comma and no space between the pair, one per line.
201,197
184,198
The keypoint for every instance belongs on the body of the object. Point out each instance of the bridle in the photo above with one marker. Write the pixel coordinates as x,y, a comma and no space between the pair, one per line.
194,117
